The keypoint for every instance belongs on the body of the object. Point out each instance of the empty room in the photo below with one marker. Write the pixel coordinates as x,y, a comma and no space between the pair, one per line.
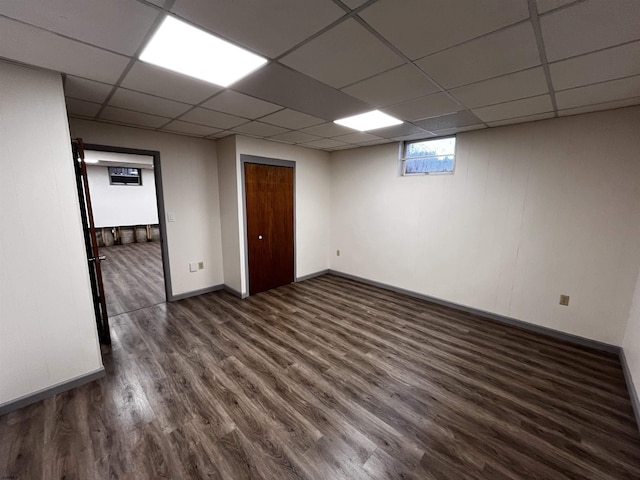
320,239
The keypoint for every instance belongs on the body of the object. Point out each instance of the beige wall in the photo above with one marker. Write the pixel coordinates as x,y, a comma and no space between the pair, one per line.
533,211
190,184
47,323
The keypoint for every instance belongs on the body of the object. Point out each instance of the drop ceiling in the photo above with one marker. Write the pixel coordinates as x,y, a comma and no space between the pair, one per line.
441,66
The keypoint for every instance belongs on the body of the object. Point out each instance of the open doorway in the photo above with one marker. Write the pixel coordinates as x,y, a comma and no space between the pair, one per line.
127,206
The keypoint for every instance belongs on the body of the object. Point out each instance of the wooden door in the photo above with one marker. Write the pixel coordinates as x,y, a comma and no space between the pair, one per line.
93,256
269,206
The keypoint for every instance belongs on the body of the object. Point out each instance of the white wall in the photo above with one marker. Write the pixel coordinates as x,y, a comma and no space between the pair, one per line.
533,211
190,183
47,323
121,205
229,208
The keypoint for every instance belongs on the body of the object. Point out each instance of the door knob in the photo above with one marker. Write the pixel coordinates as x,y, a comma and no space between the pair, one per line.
259,237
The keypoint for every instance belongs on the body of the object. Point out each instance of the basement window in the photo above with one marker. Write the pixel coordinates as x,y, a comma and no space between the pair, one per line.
428,157
125,176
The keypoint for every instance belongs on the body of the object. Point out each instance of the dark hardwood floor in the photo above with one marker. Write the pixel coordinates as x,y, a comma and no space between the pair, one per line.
330,379
133,277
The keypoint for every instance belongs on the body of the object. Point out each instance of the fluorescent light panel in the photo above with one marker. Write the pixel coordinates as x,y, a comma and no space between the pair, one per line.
369,121
185,49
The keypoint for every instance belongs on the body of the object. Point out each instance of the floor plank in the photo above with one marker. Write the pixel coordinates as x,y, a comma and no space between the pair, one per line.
329,379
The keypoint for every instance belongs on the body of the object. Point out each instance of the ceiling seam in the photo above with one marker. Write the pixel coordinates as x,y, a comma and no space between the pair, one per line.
537,30
349,14
134,58
408,61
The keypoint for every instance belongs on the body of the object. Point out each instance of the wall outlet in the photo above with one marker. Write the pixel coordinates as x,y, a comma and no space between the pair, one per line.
193,267
564,300
337,253
200,265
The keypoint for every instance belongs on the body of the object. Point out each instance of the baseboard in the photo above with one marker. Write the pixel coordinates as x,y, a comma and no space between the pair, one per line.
195,293
234,292
312,275
633,393
568,337
26,400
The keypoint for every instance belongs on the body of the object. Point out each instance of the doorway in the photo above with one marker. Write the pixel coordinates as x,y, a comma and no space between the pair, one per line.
127,215
269,186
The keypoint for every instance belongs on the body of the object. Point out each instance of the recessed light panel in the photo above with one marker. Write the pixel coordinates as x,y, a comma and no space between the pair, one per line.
185,49
369,121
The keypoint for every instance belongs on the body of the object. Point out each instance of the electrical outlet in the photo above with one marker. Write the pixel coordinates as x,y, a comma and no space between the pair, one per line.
337,253
564,300
200,265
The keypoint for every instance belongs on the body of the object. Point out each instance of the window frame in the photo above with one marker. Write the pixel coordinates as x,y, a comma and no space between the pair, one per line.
125,184
404,158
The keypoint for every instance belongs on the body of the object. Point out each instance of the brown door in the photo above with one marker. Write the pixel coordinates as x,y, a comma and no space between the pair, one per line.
269,202
91,243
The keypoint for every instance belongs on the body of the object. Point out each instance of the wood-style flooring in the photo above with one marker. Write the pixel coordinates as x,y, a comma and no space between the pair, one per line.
132,276
330,379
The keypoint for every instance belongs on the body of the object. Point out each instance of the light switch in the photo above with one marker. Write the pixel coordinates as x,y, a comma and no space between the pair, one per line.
171,217
193,267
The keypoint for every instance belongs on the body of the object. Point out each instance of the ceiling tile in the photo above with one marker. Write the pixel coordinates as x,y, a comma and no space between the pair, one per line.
132,118
270,27
357,137
81,107
342,147
291,119
241,105
117,25
596,67
429,106
400,130
88,90
588,26
222,134
627,102
280,85
325,143
375,142
419,28
210,118
259,129
295,137
598,93
506,51
165,83
394,86
345,54
453,131
33,46
546,5
517,108
147,103
459,119
528,83
327,130
190,129
529,118
415,136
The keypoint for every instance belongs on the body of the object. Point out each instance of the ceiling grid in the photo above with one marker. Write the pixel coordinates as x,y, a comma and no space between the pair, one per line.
441,67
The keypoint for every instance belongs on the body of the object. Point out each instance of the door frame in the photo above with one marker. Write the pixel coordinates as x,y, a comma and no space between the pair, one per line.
274,162
157,173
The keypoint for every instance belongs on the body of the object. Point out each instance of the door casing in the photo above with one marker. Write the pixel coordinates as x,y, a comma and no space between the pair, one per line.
157,173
